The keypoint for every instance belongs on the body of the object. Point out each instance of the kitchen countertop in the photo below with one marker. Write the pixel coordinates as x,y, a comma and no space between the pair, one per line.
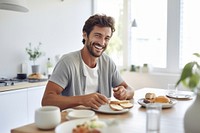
22,85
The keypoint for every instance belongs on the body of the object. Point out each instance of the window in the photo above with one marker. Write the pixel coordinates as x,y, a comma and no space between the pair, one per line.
165,35
148,43
113,8
190,42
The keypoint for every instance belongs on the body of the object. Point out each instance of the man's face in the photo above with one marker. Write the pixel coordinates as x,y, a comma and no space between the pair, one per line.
98,40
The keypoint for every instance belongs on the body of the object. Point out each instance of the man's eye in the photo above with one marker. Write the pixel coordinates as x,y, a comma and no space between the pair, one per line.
107,39
97,35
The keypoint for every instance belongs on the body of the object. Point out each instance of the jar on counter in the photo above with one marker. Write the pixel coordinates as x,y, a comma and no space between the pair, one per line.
145,68
49,67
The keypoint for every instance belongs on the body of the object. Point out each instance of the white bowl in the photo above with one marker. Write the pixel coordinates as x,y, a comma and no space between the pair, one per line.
79,114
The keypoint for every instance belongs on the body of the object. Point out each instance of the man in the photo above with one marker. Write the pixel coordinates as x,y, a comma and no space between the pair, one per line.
87,77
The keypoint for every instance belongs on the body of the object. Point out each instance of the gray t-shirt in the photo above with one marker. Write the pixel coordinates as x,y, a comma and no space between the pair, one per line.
69,74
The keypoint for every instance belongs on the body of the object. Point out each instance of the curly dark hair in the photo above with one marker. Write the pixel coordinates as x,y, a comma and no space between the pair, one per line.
98,20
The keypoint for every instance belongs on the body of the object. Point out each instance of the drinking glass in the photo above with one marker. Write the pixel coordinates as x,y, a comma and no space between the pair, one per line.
153,114
171,89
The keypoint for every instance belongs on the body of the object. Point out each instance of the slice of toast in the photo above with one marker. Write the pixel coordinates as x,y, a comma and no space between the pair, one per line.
126,105
116,107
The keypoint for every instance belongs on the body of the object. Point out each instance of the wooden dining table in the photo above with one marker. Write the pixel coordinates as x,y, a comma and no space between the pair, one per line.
134,121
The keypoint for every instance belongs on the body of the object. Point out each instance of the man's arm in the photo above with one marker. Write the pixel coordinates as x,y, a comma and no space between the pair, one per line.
52,97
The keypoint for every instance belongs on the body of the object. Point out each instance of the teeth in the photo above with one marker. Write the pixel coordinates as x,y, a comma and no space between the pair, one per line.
98,47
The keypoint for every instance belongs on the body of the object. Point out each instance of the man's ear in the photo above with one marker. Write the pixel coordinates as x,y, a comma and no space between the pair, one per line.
84,35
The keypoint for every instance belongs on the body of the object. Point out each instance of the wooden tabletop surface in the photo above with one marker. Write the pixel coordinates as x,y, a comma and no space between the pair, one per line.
134,121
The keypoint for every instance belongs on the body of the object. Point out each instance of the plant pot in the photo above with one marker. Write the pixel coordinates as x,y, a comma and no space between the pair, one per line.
192,117
35,68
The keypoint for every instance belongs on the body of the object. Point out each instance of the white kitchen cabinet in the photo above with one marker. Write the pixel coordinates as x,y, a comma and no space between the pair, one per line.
35,95
13,109
17,107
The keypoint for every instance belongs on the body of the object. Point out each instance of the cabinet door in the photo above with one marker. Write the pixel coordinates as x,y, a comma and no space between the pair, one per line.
35,95
13,109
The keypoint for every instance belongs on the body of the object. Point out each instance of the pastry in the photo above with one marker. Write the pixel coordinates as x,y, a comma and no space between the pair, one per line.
35,76
162,99
149,97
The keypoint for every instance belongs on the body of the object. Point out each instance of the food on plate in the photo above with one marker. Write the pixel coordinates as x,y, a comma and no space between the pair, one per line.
35,76
152,98
162,99
116,107
119,105
149,97
126,105
92,126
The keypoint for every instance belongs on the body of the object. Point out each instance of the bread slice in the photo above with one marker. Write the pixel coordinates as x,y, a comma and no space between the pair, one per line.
116,107
115,102
126,105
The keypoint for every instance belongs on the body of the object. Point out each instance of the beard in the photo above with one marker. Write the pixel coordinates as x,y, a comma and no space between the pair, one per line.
95,49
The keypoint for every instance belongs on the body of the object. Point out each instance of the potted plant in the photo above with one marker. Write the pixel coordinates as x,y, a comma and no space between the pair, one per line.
34,54
190,78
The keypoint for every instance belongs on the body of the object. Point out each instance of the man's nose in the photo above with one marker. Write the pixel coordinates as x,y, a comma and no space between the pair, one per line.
102,41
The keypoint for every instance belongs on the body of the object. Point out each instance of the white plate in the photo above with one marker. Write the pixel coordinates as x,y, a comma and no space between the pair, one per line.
164,105
67,127
106,109
180,96
80,114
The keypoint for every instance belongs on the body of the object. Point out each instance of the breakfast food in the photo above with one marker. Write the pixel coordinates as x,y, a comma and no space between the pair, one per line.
162,99
84,129
126,105
120,105
116,107
92,126
149,97
152,98
35,76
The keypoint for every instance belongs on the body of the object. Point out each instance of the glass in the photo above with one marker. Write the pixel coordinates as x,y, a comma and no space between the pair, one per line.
153,114
171,89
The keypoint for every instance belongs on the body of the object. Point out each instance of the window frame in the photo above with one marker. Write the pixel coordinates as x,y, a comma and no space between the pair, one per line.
173,36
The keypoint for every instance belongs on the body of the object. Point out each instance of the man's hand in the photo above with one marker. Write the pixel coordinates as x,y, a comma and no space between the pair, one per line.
120,93
94,100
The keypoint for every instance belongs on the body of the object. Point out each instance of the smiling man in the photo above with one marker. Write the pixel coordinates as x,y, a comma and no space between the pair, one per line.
87,77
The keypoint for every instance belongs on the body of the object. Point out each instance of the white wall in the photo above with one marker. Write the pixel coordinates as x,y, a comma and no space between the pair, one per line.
155,80
57,24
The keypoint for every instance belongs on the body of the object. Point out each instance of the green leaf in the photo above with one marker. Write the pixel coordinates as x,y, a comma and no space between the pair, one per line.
194,80
190,76
197,54
186,72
